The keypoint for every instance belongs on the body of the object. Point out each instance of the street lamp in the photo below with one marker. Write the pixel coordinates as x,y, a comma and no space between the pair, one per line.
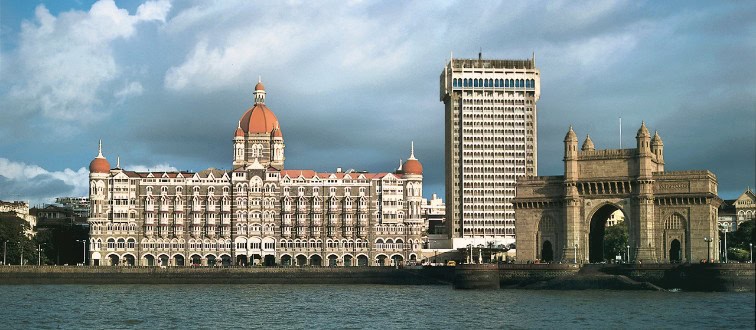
39,254
708,248
22,254
84,250
5,248
725,227
575,256
751,248
628,254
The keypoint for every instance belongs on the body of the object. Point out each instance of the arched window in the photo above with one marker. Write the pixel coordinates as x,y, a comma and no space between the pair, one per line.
674,221
111,243
475,83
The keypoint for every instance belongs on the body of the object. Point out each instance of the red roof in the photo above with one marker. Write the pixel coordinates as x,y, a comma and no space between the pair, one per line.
412,166
258,119
99,165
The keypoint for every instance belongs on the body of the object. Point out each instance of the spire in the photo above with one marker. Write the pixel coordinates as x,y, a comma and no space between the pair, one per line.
588,144
259,91
400,165
412,151
656,140
643,131
571,136
118,162
99,150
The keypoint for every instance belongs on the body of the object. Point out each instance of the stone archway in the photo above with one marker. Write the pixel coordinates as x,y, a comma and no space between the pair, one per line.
286,260
362,260
675,251
269,260
301,260
114,259
599,248
547,252
316,260
128,260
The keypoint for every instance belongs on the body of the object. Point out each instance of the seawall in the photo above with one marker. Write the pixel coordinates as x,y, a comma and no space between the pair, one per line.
232,275
688,277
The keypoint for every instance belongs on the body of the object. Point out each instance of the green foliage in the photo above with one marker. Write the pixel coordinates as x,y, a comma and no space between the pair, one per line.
615,240
738,254
14,240
743,236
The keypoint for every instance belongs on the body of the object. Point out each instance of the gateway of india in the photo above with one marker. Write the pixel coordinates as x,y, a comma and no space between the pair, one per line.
670,216
257,213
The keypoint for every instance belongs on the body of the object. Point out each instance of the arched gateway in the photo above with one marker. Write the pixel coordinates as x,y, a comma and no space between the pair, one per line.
667,214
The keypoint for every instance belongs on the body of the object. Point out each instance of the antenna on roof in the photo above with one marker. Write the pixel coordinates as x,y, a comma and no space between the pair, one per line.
620,133
480,54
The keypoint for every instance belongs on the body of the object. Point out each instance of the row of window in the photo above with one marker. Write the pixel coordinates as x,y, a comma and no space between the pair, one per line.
497,83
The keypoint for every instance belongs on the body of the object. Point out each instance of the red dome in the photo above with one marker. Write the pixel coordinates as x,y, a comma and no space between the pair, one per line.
259,119
259,87
99,165
412,166
239,132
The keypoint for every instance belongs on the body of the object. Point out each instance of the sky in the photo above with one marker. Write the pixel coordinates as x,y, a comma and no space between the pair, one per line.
353,83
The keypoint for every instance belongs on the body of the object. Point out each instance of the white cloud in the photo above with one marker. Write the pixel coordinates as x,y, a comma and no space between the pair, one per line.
132,89
306,40
162,167
64,62
29,182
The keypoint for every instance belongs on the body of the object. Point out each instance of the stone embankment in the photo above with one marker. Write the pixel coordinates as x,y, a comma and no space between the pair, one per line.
687,277
230,275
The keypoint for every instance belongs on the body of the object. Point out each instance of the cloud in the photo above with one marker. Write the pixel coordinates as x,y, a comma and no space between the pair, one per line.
38,185
132,89
62,64
162,167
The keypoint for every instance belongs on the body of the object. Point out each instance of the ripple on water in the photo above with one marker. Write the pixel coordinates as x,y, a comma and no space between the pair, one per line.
362,306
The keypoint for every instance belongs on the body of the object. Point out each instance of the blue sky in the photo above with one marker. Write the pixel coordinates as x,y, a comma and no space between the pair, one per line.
163,83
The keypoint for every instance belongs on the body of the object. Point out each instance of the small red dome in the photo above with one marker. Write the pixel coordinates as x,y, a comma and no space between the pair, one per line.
239,132
99,165
259,87
412,166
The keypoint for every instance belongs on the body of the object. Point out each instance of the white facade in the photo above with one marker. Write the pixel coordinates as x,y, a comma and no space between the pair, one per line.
256,213
491,141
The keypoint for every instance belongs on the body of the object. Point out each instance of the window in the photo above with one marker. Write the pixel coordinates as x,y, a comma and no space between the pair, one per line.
111,243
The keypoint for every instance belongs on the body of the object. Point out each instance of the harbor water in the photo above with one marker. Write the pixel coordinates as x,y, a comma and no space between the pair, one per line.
361,306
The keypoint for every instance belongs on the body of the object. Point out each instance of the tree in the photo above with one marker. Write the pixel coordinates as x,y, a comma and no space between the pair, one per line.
615,239
13,237
743,236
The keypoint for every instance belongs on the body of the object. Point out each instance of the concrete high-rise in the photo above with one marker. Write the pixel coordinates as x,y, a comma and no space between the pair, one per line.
491,141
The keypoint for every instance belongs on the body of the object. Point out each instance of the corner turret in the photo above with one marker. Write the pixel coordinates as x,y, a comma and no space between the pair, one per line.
588,144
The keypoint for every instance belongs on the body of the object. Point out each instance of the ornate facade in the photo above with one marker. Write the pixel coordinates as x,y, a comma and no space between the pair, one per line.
671,216
257,213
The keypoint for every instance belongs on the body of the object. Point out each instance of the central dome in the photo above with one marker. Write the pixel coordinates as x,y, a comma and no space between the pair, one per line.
258,119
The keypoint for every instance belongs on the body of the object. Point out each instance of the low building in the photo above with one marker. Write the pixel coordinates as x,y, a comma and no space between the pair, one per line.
79,205
733,212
